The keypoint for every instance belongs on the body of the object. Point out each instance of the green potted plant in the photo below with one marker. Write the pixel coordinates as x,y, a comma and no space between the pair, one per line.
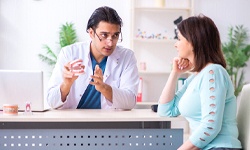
67,36
237,53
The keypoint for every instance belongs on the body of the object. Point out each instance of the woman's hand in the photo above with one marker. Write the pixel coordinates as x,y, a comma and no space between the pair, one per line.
181,65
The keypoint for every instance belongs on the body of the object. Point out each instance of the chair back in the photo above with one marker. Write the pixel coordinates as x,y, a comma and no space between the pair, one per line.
243,117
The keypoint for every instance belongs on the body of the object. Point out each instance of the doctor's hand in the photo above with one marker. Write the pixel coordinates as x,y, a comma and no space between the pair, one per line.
72,70
100,86
98,79
69,76
181,65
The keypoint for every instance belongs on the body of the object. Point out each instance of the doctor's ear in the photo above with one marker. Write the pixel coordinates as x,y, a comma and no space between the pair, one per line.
91,33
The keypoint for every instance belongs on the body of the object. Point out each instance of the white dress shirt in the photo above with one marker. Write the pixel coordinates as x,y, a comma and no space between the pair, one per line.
121,74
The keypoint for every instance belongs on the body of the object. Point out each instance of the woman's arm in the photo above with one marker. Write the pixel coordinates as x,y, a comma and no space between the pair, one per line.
179,66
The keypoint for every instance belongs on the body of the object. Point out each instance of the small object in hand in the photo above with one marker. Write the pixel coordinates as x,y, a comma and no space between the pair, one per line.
10,109
76,67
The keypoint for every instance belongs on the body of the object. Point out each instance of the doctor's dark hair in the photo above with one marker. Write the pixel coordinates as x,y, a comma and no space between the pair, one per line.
202,33
105,14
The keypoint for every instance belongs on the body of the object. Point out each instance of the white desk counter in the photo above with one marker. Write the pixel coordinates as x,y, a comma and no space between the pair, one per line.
136,129
88,115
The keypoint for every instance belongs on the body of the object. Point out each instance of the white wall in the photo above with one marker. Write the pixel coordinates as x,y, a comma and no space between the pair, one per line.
226,13
25,25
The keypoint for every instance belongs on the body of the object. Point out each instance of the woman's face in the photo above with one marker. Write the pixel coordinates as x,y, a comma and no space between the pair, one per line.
184,48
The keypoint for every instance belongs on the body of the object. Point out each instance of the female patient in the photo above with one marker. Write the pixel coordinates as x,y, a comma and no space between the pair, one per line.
207,98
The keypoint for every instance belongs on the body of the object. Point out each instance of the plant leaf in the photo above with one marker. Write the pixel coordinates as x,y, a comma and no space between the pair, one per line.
237,53
67,36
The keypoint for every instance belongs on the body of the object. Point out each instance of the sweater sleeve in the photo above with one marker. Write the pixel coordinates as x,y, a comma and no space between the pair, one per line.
171,108
213,89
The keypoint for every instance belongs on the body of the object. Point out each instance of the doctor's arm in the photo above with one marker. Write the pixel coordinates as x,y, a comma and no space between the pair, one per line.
125,89
68,80
61,80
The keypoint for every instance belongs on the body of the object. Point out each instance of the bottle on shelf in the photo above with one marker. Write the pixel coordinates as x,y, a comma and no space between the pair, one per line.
139,94
142,66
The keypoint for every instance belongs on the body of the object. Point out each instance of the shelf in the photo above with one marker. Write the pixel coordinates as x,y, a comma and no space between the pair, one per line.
153,29
183,75
161,9
168,41
153,72
146,103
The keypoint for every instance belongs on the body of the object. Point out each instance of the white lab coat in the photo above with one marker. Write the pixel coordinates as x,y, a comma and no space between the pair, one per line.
121,74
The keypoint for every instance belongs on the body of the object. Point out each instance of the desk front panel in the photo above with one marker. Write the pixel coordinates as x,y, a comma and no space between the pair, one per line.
93,130
90,139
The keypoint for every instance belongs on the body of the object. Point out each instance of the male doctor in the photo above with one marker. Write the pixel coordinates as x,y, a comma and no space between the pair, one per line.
97,74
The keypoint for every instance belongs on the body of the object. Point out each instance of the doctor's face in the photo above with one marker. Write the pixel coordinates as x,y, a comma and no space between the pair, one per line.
104,38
